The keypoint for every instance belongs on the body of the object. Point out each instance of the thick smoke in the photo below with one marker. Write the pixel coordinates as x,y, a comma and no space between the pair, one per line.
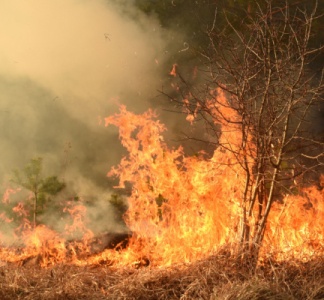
65,65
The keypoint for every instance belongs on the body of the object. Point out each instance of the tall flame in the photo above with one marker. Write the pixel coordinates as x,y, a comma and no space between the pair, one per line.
181,208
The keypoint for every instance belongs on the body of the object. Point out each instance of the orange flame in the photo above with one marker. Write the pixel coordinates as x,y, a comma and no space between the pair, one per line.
173,72
180,208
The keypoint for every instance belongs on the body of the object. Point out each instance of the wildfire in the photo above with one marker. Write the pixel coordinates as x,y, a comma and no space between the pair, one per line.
180,208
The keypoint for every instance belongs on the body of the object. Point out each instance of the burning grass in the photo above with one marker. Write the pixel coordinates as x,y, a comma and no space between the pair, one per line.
217,277
184,215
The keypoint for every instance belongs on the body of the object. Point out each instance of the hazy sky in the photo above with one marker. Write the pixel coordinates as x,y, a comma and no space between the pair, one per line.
65,65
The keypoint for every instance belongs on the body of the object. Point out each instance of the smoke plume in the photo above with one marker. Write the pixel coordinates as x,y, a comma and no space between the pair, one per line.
65,65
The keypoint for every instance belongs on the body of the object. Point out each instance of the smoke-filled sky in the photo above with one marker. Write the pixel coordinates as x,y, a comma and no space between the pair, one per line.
65,65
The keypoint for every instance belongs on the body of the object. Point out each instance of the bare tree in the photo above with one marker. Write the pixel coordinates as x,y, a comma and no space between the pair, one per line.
263,68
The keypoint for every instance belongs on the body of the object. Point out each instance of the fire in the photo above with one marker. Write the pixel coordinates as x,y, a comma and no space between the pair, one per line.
173,72
181,208
296,227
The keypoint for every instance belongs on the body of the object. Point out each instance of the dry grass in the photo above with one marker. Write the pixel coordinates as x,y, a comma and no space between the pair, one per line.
217,277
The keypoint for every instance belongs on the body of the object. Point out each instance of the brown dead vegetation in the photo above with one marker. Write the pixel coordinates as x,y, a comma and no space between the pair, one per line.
216,277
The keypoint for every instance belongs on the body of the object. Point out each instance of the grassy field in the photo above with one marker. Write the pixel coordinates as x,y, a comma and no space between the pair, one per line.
216,277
